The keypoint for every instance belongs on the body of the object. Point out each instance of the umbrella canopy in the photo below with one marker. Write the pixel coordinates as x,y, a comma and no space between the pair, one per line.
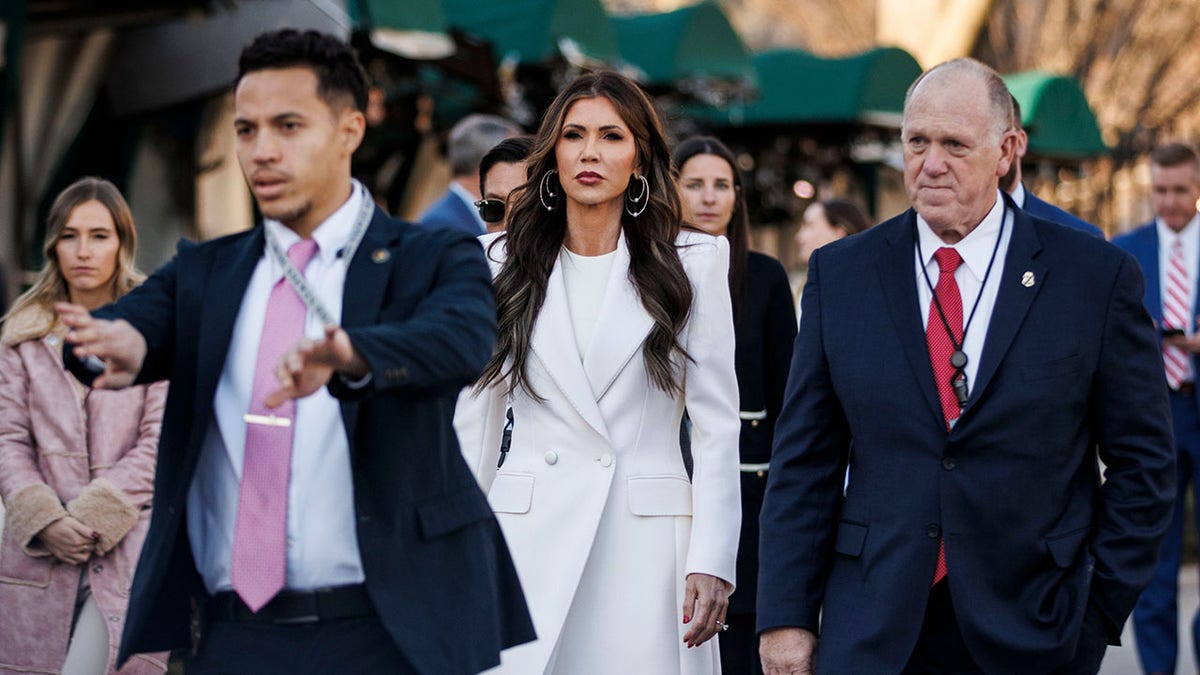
796,87
1056,114
688,43
532,30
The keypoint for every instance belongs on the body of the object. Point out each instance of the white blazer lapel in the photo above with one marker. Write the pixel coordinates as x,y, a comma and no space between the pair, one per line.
621,326
553,343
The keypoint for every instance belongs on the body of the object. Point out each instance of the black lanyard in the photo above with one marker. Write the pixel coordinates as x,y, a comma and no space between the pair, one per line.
958,359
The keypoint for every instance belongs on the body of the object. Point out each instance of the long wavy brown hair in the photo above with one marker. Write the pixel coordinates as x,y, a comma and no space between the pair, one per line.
50,286
535,235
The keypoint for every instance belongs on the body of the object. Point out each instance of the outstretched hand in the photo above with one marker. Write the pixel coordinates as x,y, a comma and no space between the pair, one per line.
309,365
117,343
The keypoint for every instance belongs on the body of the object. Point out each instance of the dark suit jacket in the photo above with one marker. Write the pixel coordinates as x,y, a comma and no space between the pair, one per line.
1070,366
765,328
418,305
452,212
1143,244
1047,211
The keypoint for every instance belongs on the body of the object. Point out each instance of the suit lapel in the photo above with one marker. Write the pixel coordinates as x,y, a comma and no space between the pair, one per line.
553,342
897,277
367,276
621,326
363,291
227,279
1012,299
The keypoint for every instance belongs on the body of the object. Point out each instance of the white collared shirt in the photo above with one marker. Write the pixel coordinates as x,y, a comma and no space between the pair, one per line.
976,250
1018,195
1189,236
321,536
468,199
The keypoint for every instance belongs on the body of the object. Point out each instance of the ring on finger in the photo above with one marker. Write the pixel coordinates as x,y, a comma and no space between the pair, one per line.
722,625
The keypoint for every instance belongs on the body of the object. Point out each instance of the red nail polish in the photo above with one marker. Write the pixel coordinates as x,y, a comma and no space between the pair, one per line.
686,618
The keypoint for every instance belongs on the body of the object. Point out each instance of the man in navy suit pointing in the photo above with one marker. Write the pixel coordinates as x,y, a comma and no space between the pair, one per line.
968,363
311,505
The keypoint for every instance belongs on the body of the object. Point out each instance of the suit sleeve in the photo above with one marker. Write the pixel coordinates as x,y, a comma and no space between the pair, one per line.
1135,443
447,339
31,503
780,334
804,484
711,395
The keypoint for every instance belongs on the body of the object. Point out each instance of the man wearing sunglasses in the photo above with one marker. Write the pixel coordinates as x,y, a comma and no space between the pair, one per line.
501,171
468,142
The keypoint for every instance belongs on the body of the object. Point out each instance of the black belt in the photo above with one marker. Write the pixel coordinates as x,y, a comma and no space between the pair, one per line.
1185,389
341,602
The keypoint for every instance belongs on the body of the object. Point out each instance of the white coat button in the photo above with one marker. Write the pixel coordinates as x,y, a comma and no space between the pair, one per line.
551,457
606,460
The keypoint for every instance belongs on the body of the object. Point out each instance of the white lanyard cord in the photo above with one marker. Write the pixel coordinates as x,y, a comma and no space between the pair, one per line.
296,278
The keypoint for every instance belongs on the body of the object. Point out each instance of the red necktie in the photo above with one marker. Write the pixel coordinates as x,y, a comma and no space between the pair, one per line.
1175,315
258,569
941,346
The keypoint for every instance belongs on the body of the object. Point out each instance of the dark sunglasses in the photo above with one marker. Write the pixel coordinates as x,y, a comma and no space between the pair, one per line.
491,210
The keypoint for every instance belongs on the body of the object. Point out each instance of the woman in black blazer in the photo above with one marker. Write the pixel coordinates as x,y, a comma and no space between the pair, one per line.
710,188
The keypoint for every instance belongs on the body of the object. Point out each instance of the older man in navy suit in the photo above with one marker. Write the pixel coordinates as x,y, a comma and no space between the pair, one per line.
1168,249
310,498
969,363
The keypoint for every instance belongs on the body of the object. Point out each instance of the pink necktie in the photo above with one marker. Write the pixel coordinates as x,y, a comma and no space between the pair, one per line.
1175,315
259,563
941,346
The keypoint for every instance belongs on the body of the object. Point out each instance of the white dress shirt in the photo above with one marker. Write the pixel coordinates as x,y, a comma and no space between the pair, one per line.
1018,195
976,251
1189,236
321,537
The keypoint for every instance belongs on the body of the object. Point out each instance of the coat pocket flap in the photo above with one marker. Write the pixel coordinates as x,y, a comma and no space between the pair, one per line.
511,492
660,496
451,512
850,538
1064,548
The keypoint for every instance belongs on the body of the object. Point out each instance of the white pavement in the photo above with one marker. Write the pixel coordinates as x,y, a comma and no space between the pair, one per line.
1123,660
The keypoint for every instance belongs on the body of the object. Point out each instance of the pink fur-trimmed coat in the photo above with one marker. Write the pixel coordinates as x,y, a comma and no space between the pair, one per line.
54,461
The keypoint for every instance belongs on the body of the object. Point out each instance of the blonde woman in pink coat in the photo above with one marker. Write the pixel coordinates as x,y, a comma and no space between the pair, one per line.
76,466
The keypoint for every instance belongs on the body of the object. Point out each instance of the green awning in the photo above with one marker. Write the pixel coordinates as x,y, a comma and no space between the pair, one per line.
415,29
691,42
796,87
1056,115
530,29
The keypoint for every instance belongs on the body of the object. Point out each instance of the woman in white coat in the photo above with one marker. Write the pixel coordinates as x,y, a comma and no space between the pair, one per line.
611,322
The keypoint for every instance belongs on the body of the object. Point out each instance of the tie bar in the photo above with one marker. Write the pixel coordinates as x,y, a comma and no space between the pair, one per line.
267,420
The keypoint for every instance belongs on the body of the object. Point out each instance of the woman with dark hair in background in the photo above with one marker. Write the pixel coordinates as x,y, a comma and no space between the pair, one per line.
611,321
826,221
76,465
710,189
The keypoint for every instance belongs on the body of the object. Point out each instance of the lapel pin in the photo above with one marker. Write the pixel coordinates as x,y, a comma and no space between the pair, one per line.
1028,280
381,255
